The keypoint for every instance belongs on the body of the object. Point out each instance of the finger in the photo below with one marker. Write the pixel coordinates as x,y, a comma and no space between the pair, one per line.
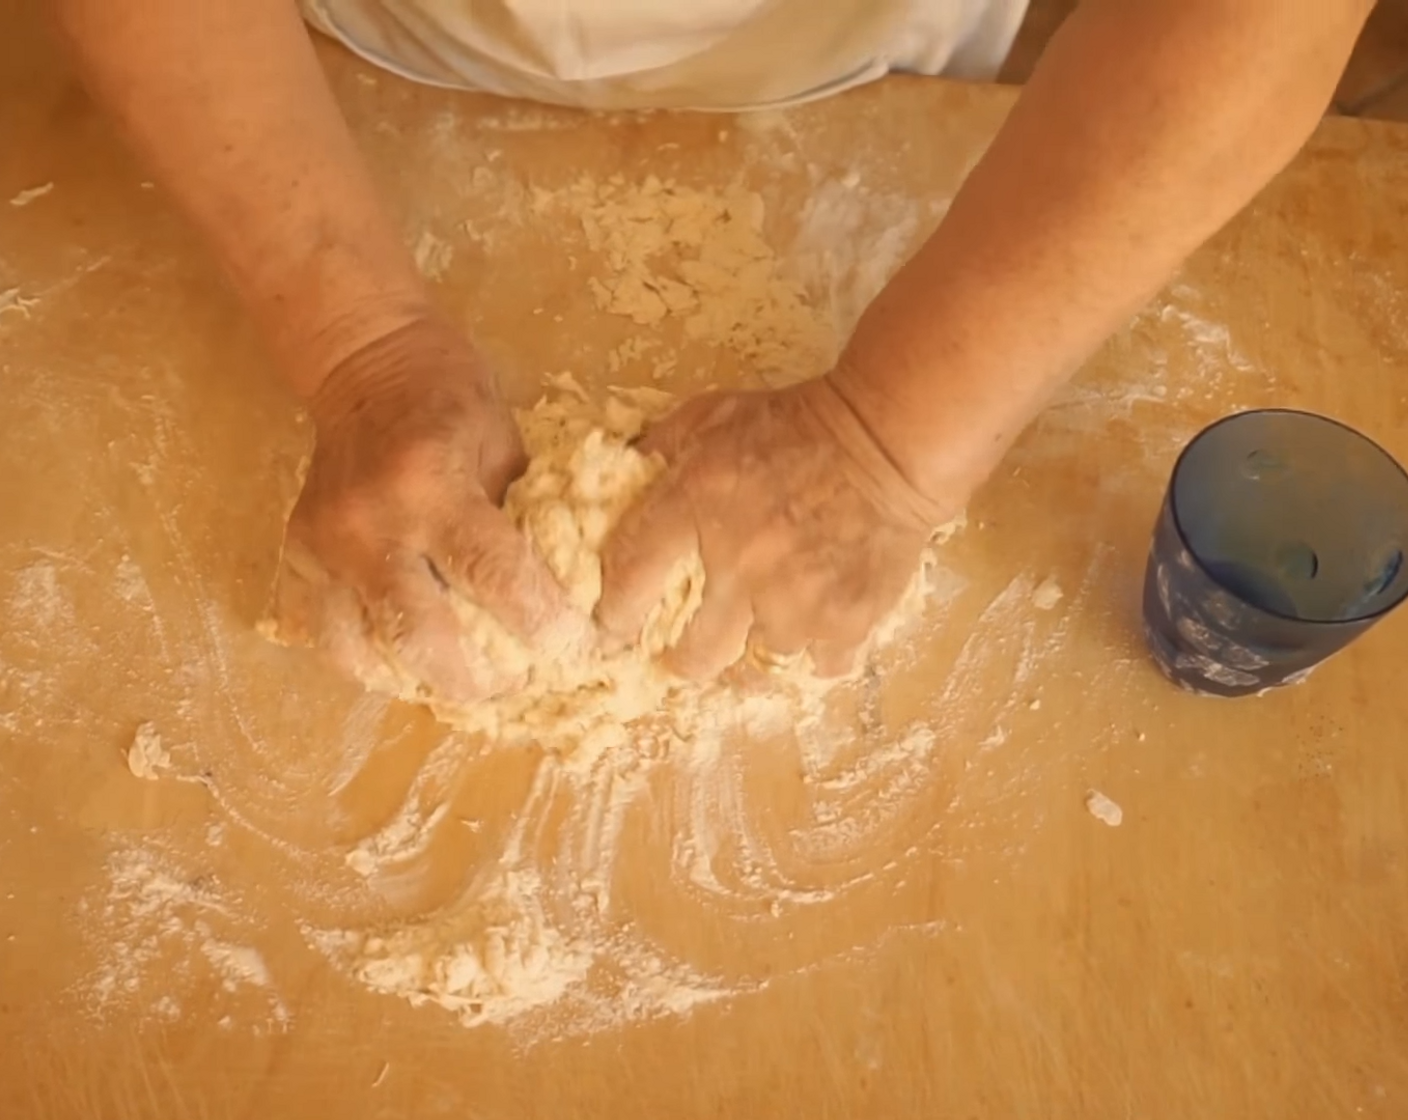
299,591
834,659
486,559
411,612
716,636
674,435
842,633
346,636
788,610
312,609
502,459
640,555
814,609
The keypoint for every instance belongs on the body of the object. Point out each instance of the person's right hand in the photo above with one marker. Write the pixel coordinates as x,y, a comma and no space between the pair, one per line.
400,508
807,529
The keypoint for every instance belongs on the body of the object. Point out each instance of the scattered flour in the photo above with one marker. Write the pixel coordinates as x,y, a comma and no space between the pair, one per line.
527,120
851,240
129,583
153,919
237,964
433,255
489,961
37,597
11,299
1047,594
404,837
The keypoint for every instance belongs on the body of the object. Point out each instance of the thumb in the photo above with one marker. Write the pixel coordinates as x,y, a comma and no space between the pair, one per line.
642,551
673,436
502,458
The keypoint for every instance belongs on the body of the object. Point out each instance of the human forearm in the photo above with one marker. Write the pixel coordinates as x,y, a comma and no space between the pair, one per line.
1145,128
226,102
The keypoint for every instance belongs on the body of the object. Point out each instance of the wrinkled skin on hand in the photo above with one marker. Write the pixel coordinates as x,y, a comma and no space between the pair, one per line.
808,532
413,455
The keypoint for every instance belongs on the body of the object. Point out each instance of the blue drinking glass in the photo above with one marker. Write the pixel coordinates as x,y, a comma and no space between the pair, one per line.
1281,538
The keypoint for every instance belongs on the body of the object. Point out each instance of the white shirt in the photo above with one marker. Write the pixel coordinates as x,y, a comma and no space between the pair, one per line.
697,54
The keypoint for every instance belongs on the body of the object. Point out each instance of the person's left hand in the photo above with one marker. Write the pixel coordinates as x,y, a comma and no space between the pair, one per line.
808,532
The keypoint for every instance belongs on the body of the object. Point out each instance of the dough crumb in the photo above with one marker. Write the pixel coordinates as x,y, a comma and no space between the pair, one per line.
25,197
146,757
1103,809
1047,594
12,300
434,255
950,529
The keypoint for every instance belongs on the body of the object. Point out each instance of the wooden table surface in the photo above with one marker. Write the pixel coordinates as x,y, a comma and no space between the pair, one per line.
973,943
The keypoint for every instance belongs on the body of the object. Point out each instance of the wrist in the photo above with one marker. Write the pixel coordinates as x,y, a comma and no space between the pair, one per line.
319,306
315,350
312,343
396,369
942,461
873,469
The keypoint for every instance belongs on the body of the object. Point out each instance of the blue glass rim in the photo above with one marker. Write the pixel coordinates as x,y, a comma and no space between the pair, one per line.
1172,503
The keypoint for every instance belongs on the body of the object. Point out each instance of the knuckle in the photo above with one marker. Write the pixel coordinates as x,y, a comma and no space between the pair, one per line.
501,570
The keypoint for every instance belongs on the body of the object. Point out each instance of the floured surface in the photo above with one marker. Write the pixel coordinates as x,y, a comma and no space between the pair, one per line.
902,904
526,938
